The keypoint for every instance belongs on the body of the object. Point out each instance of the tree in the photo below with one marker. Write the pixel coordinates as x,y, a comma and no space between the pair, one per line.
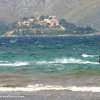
89,30
42,17
3,28
24,18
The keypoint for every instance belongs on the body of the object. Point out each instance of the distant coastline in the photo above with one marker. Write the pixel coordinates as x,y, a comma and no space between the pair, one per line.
44,26
90,35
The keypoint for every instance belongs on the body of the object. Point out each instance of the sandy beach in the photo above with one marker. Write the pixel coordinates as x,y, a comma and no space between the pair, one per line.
51,95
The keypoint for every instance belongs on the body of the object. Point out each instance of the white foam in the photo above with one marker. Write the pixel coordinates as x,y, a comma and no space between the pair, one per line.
86,55
40,87
13,41
14,64
67,60
3,61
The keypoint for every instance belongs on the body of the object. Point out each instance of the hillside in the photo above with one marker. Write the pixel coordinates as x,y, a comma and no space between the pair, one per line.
43,25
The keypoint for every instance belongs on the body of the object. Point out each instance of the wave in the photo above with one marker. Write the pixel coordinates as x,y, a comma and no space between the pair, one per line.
55,61
67,61
13,41
13,64
3,61
86,56
40,87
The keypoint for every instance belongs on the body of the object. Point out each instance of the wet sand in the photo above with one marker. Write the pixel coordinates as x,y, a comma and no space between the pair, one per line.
50,95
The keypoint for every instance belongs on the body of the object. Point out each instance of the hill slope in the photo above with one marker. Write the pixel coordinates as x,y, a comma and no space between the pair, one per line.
81,12
43,25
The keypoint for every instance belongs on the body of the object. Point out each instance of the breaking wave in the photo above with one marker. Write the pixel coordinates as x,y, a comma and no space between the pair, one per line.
13,41
67,61
3,61
40,87
6,63
85,55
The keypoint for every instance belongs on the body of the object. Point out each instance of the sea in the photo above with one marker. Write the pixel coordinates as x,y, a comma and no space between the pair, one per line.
50,64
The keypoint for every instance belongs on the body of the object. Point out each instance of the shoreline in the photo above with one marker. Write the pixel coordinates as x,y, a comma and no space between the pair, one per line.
80,35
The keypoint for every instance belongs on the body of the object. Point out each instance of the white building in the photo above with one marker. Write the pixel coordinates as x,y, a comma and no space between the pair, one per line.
26,23
19,23
47,21
30,19
53,21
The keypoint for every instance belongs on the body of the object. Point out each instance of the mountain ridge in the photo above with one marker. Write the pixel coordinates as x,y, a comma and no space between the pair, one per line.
82,13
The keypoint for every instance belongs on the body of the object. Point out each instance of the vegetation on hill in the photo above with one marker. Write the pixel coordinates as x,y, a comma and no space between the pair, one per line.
73,29
44,25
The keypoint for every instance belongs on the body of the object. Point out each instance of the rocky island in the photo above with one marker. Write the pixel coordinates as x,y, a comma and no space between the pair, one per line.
43,25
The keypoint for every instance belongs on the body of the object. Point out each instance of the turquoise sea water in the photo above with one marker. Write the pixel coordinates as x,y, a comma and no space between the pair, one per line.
51,60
